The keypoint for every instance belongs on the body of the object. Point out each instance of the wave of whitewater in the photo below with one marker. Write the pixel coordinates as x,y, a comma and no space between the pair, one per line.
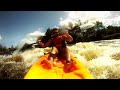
101,58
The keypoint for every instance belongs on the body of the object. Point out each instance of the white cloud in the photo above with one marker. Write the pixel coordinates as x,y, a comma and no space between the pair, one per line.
61,18
35,34
113,21
88,15
31,38
0,37
64,23
107,17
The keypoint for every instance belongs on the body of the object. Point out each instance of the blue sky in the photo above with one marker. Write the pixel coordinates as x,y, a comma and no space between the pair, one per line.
15,25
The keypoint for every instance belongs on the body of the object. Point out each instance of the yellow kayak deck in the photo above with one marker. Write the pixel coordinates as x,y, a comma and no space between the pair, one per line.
43,69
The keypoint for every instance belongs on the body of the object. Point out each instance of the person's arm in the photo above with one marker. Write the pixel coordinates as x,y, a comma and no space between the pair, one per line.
67,37
44,45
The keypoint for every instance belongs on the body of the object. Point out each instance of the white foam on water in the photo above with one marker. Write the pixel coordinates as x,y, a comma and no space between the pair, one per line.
103,61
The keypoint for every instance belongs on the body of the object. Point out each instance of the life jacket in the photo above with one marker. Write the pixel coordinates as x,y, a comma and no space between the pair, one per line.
59,42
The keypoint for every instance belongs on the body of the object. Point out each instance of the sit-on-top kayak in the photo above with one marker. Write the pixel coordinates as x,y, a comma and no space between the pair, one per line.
44,69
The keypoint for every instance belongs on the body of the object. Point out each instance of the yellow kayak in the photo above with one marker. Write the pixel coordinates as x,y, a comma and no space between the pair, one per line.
44,69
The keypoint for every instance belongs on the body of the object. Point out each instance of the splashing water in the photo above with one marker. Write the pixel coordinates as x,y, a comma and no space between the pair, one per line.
101,58
31,56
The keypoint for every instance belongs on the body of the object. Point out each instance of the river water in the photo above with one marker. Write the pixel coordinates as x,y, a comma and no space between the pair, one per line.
101,58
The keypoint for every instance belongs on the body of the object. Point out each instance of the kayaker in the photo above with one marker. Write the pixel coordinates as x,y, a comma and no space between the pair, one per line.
59,44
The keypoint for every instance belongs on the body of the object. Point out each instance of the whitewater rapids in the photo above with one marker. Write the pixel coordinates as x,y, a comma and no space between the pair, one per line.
101,58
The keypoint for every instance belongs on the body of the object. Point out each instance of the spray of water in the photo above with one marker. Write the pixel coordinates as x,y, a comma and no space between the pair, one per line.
101,58
103,62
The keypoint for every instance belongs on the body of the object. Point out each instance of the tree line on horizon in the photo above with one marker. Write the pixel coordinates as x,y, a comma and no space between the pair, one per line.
7,51
95,33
